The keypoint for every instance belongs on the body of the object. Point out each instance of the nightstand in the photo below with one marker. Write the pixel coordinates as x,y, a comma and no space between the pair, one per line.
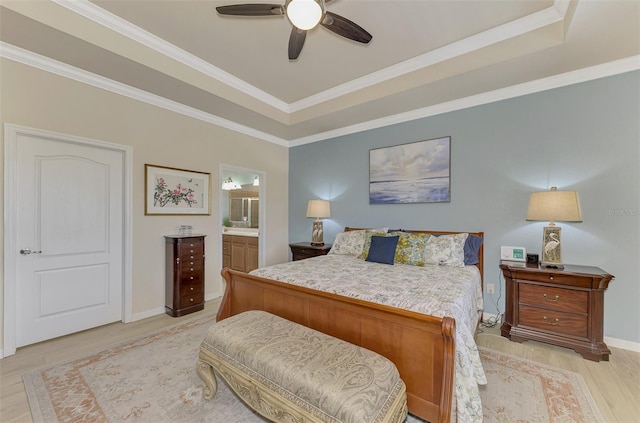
303,250
563,307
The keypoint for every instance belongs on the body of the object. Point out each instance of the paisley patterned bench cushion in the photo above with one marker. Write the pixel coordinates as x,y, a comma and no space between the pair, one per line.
322,375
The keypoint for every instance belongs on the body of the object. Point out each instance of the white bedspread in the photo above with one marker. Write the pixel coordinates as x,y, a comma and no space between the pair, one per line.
434,290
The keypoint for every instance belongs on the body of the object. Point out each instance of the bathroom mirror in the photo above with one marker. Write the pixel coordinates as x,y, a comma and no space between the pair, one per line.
244,211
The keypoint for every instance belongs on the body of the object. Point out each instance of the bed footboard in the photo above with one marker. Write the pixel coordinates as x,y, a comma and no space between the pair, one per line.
422,347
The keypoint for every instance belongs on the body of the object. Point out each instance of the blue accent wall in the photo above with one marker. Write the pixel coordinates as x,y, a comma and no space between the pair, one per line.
583,137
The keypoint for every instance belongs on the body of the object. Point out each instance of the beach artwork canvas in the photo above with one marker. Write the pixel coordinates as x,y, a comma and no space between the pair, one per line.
418,172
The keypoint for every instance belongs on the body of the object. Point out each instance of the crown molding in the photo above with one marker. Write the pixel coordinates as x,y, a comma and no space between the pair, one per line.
557,81
569,78
62,69
555,13
107,19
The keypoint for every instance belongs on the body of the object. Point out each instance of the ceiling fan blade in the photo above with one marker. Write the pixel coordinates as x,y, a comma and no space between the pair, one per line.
344,27
296,42
251,9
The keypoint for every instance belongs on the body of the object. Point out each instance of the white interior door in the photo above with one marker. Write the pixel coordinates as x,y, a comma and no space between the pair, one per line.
69,237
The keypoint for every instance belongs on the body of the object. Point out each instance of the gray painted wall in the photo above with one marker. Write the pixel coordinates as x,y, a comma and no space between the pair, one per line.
584,137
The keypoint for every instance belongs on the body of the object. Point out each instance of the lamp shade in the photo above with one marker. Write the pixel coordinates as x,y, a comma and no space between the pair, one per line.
554,205
318,209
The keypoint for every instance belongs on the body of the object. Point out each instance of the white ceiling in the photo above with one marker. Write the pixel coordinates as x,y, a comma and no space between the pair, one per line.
426,56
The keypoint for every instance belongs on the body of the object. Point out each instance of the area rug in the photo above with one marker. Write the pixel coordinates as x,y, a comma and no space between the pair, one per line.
520,390
153,379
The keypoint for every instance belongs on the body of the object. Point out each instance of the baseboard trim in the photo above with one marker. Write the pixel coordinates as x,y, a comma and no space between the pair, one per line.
160,310
623,344
147,314
212,296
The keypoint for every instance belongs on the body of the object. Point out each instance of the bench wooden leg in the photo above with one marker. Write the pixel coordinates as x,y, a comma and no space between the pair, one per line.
206,373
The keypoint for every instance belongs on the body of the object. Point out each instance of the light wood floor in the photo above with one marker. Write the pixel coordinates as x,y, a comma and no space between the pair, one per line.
615,385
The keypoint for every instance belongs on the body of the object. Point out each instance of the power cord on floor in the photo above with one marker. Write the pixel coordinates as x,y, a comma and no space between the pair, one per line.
492,322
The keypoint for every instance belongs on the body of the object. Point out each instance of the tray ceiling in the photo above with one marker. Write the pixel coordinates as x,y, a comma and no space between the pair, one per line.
426,57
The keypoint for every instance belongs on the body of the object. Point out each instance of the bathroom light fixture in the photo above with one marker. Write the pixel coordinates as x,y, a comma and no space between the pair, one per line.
229,185
318,209
256,181
553,205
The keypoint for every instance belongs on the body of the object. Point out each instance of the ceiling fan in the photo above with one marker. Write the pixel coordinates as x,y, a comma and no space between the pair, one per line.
304,15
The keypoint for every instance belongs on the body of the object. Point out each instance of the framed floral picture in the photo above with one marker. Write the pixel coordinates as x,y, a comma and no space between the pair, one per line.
171,191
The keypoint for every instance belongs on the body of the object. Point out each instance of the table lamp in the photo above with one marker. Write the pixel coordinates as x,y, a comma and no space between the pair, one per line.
553,205
318,209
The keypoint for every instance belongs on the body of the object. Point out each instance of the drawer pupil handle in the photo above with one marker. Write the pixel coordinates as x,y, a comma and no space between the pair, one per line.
550,278
551,300
554,323
191,299
191,269
191,288
192,277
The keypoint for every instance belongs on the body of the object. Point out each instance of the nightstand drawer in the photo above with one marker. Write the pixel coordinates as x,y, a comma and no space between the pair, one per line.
556,278
554,321
554,298
305,250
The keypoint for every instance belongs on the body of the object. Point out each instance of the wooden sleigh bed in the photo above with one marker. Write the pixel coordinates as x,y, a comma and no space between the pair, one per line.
421,346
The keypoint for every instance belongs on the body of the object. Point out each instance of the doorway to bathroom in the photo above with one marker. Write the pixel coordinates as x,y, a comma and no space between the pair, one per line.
242,213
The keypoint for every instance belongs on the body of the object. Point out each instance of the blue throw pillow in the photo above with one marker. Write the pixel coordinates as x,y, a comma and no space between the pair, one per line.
471,248
383,249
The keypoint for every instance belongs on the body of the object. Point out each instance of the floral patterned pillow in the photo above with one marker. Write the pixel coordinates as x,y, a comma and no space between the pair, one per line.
446,250
367,240
348,243
410,248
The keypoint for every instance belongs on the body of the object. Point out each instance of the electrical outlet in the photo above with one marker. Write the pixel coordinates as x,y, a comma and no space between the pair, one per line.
491,288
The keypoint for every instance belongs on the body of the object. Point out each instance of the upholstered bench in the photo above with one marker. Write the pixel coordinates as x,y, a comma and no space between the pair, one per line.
288,372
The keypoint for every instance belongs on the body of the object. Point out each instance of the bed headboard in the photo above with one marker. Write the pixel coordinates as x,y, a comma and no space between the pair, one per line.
480,264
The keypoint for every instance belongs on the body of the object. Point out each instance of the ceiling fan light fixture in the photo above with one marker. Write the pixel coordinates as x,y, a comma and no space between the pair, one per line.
305,14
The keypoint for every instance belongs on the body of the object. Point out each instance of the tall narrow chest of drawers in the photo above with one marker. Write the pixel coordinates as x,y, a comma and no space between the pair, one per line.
184,284
563,307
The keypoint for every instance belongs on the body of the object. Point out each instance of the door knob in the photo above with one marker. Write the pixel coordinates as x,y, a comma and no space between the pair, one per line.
27,251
